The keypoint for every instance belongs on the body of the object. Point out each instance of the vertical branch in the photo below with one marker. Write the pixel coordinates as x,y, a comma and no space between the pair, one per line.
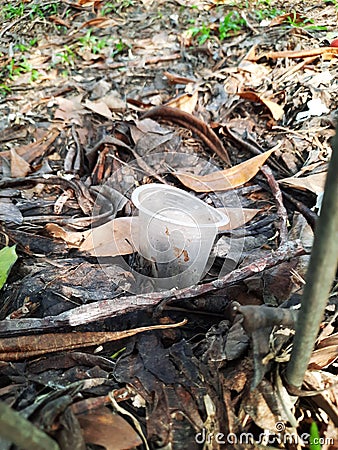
320,276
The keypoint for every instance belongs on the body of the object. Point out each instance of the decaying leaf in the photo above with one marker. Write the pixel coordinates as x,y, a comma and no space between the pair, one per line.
185,102
117,237
19,167
276,110
197,126
323,357
70,109
238,217
103,427
35,149
295,53
73,238
224,180
99,108
14,348
314,183
290,16
326,352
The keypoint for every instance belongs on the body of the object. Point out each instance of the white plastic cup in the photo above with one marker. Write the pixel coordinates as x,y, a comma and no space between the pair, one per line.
176,233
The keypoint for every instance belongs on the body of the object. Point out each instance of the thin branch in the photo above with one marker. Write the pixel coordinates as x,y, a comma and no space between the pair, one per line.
118,306
281,210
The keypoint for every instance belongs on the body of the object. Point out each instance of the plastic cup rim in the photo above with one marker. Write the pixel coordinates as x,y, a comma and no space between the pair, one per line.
135,199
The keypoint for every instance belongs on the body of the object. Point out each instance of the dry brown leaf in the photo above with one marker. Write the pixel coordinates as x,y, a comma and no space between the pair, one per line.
295,53
314,183
197,126
19,167
276,110
237,217
99,22
117,237
326,352
185,102
114,101
99,108
35,149
224,180
103,427
58,21
178,79
295,17
73,238
323,357
15,348
70,109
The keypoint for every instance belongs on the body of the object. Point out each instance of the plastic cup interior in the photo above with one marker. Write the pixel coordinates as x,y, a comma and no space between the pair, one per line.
176,233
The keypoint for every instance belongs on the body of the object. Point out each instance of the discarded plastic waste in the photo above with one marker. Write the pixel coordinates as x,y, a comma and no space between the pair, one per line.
176,233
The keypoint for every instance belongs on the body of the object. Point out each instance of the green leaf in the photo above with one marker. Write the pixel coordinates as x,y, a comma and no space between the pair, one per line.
314,437
8,257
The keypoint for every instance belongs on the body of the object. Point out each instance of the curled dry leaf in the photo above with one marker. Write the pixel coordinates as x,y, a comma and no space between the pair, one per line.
224,180
314,183
294,53
276,110
117,237
19,167
18,347
109,430
238,217
192,123
73,238
185,102
35,149
99,22
100,108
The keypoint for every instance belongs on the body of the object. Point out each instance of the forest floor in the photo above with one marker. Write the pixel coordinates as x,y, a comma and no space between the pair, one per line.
234,102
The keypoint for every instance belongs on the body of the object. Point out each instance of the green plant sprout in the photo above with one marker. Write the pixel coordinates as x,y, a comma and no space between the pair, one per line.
262,14
43,10
4,90
118,353
202,33
232,23
304,23
120,47
314,437
67,56
94,43
111,7
23,47
12,12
